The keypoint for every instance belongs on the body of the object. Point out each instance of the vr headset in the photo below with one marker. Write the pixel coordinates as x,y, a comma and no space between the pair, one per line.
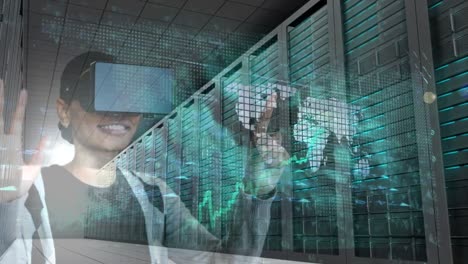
123,88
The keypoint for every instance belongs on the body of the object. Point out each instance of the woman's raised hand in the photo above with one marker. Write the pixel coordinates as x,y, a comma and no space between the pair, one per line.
16,177
274,156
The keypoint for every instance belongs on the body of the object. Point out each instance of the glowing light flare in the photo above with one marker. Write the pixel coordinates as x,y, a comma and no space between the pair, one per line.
429,97
61,153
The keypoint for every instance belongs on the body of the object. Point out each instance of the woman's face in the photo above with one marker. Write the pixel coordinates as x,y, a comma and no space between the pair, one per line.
102,131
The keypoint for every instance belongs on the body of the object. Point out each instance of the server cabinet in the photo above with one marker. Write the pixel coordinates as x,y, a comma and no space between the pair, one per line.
189,168
449,33
11,72
315,198
387,207
232,155
173,165
209,157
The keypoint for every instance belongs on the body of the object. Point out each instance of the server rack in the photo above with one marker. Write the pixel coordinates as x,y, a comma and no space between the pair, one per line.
315,207
189,168
12,63
387,225
209,158
449,37
232,157
360,53
173,162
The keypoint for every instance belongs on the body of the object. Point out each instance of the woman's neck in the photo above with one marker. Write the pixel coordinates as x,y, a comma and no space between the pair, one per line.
87,163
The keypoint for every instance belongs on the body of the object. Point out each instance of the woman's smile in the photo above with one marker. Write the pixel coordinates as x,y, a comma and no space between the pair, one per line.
119,128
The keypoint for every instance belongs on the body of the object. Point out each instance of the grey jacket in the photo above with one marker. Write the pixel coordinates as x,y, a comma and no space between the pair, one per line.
251,220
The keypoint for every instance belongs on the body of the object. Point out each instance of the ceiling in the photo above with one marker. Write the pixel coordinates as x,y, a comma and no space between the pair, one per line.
198,38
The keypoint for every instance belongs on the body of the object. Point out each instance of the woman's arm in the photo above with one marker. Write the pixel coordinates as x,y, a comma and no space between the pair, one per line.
16,177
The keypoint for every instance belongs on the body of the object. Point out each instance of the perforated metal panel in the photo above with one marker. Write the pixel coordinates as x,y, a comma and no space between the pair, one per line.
232,170
449,26
160,149
387,210
264,65
174,153
309,50
150,153
189,168
314,202
210,186
158,162
11,72
173,171
189,165
11,53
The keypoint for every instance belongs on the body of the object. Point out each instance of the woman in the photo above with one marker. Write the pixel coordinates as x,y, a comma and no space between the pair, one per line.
54,202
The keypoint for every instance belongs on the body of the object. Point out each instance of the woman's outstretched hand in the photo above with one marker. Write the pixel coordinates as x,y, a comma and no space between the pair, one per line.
274,155
16,177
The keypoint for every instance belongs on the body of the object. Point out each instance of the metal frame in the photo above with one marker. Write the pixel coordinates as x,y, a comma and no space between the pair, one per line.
164,132
286,182
193,105
343,189
430,156
214,90
218,118
196,180
176,117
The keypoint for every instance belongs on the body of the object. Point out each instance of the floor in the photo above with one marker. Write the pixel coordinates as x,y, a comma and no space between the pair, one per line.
85,251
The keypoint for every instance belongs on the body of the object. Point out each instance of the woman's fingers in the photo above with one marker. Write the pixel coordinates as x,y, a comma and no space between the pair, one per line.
18,118
262,125
2,127
269,107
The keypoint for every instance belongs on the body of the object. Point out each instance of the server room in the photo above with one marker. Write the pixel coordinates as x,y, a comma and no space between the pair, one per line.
234,131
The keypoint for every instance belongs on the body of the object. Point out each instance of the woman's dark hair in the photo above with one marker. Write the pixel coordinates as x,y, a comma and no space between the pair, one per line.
76,83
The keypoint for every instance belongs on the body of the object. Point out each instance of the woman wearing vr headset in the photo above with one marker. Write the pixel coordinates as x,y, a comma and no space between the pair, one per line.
57,201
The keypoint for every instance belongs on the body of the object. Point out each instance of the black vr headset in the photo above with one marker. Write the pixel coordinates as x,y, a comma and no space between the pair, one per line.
100,85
